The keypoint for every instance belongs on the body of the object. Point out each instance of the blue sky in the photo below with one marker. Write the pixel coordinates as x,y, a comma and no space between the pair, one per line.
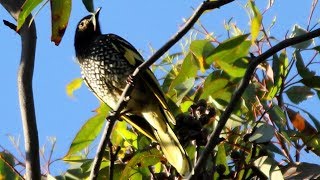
143,23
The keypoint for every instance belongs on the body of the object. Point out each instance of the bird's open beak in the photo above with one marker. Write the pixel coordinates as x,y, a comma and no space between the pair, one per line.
95,16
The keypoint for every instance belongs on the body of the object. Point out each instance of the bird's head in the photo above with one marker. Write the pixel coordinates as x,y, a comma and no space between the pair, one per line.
87,29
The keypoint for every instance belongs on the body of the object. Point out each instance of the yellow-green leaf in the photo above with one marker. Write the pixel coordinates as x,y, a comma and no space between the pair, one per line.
201,49
60,13
141,160
25,11
73,85
255,22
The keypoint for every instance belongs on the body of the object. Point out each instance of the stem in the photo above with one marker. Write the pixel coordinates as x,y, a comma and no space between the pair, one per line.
25,75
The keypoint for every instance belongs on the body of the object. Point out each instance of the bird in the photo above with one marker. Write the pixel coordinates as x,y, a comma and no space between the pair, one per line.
106,62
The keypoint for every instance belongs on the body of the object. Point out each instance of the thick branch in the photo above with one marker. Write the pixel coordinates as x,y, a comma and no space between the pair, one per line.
25,74
206,5
214,137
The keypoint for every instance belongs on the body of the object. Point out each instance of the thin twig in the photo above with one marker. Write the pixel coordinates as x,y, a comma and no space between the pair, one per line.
313,7
25,75
214,137
206,5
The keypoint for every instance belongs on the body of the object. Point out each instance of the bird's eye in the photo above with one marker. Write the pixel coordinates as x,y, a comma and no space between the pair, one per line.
83,25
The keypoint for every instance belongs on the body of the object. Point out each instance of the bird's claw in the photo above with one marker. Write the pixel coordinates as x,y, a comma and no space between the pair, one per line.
130,80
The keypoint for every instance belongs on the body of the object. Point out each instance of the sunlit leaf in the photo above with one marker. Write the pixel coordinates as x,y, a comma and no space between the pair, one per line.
188,70
230,55
236,69
201,49
263,133
255,22
297,94
60,13
73,86
213,87
297,31
89,131
230,50
141,160
121,134
268,167
26,9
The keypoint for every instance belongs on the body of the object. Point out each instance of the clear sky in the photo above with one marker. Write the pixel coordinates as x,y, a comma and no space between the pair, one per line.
143,23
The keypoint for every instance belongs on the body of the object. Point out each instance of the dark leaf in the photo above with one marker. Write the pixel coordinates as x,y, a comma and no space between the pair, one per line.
297,94
303,71
89,5
312,82
301,170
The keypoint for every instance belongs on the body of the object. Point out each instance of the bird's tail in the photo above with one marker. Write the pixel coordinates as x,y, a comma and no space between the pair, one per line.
169,142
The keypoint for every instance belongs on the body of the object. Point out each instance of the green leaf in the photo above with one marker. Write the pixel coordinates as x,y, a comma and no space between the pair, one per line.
73,85
297,94
183,88
214,86
312,82
26,9
230,50
276,67
201,49
263,133
277,116
141,160
6,165
236,69
303,71
255,22
121,134
284,62
268,167
221,162
60,13
89,5
188,70
89,131
230,55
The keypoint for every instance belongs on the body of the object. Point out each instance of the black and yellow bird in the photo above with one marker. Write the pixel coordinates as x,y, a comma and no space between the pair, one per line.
106,61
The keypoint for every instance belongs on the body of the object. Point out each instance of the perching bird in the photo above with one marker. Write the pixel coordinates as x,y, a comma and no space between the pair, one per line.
106,61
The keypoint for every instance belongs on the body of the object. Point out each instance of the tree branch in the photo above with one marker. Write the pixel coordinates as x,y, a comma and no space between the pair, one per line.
206,5
214,137
25,74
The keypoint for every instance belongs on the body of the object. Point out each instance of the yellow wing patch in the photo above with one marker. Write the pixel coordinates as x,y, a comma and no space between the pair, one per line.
131,56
